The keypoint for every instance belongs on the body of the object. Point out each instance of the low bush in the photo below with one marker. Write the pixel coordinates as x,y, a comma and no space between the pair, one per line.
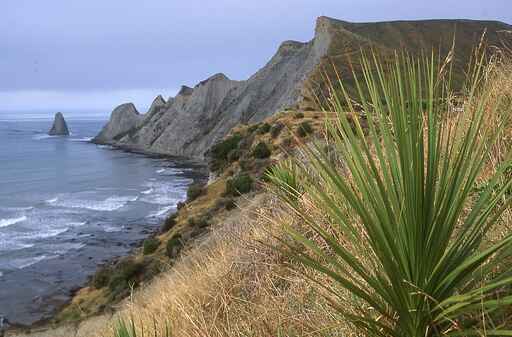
101,277
234,155
261,151
169,223
287,142
299,115
150,245
173,246
240,184
245,164
194,191
192,221
203,222
219,152
264,128
227,203
304,129
253,128
276,129
123,275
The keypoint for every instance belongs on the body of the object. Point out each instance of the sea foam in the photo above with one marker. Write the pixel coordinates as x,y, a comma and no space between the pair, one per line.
11,221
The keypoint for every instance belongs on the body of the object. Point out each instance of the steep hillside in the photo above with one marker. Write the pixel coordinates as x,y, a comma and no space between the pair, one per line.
190,123
349,39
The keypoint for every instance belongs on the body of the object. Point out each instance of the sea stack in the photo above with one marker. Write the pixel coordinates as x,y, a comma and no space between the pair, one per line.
59,128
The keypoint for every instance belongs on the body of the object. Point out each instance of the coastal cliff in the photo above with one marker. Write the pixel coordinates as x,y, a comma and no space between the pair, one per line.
190,123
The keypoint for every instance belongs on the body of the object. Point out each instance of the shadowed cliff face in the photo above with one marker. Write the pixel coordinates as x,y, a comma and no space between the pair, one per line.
190,123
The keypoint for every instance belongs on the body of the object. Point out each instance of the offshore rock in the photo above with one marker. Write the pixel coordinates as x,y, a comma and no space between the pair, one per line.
59,127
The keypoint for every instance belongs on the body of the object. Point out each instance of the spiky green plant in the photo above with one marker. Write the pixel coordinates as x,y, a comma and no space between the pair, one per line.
123,329
285,177
405,235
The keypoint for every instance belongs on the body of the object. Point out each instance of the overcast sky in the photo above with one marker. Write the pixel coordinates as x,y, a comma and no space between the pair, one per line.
95,54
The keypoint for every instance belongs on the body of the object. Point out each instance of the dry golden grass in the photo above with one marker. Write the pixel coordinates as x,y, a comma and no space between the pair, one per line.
233,284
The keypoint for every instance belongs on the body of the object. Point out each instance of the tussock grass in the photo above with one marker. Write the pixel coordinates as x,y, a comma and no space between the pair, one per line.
233,284
405,235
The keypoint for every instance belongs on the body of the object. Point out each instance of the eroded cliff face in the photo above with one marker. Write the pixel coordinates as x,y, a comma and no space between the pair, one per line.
190,123
124,118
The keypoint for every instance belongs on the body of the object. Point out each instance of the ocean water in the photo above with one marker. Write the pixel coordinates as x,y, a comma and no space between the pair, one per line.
67,205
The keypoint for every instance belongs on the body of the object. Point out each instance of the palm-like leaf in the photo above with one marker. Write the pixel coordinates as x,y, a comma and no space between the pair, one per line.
416,255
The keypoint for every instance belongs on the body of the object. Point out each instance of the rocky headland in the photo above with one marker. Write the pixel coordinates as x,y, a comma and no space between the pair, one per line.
190,123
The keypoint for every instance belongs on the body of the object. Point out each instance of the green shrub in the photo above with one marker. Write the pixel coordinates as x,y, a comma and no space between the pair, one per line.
245,164
304,129
299,115
240,184
287,142
123,275
234,155
173,246
264,128
203,222
150,245
276,129
253,128
227,203
169,223
101,277
194,191
230,204
219,152
192,221
261,151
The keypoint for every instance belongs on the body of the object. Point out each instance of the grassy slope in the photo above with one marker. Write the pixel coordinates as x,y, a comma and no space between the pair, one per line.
90,301
411,36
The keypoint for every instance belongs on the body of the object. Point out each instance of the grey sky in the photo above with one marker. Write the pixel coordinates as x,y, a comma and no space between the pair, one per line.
94,54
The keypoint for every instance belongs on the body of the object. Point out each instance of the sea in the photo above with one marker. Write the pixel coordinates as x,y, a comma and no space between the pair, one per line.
68,205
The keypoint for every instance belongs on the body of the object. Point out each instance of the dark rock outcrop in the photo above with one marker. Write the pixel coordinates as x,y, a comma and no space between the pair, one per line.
59,127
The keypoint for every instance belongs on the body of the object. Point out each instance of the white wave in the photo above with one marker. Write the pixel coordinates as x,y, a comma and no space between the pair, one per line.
27,262
169,171
11,221
42,136
17,209
66,247
77,224
109,147
44,234
110,204
161,212
9,245
149,191
164,193
112,229
52,201
84,139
